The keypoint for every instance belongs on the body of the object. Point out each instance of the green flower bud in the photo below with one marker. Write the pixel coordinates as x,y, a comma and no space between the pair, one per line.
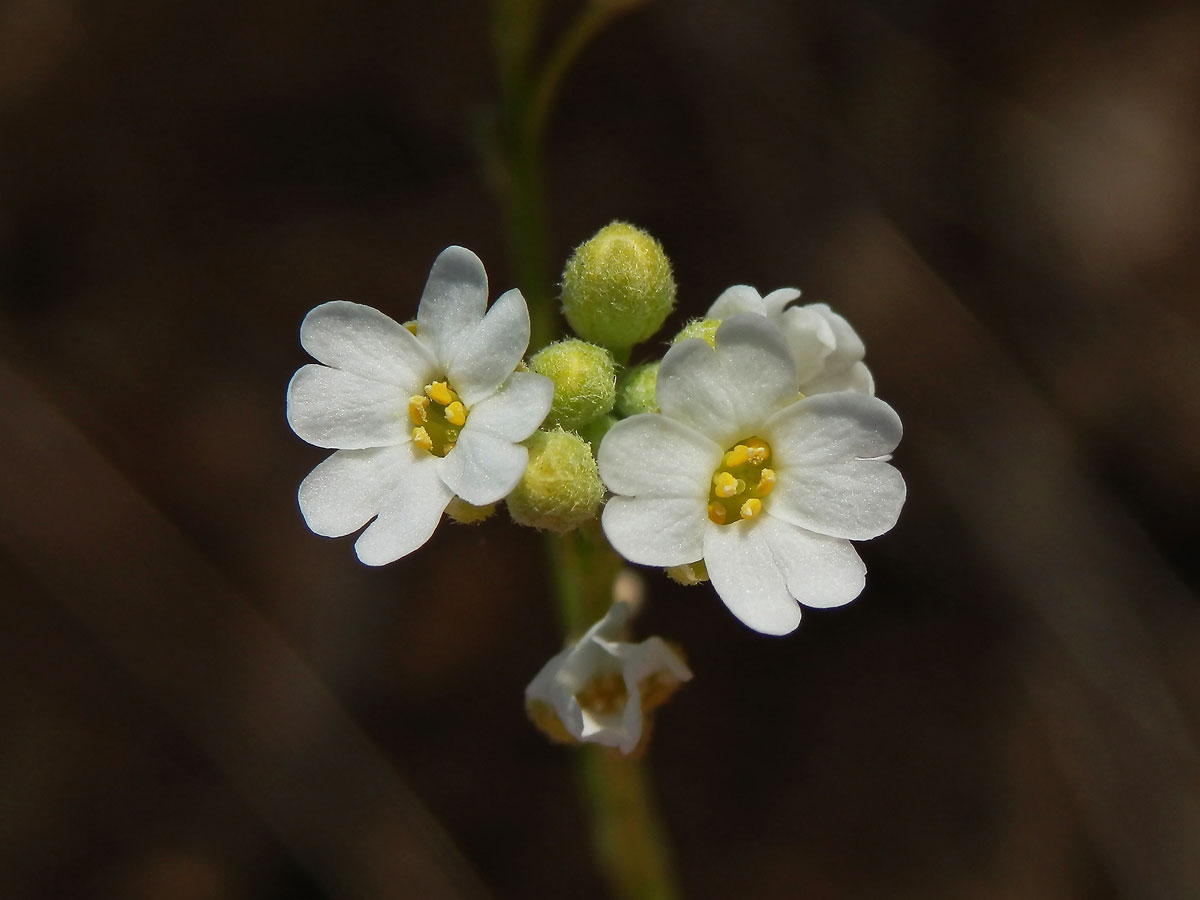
585,379
705,329
464,513
635,389
561,487
617,288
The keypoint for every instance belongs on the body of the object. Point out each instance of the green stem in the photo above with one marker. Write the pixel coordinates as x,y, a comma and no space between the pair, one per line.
627,833
628,838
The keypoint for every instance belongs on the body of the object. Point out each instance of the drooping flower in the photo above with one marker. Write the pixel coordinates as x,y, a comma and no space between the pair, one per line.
767,489
417,417
827,351
601,689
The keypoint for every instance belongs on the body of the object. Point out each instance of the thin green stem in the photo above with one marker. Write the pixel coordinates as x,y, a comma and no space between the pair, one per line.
628,839
592,19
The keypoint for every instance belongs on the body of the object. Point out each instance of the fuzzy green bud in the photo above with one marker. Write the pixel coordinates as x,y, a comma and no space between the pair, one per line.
585,381
561,487
464,513
636,389
705,329
617,288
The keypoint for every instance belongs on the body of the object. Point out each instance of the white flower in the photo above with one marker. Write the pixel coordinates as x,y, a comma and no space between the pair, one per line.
768,490
415,418
600,689
827,351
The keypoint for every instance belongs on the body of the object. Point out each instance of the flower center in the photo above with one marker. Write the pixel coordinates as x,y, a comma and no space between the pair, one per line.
741,482
437,416
604,695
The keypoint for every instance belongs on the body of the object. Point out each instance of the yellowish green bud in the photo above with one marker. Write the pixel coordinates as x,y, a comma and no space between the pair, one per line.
635,389
585,379
464,513
561,487
594,431
617,288
705,329
688,574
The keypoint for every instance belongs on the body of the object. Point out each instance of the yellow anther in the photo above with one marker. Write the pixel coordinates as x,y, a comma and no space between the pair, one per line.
766,481
750,508
440,393
725,485
737,456
418,409
757,451
716,513
421,438
411,327
456,413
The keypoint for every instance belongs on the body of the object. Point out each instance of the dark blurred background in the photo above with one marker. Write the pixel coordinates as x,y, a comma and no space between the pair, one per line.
200,699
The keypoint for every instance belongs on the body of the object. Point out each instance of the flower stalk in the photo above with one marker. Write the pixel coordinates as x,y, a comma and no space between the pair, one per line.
628,839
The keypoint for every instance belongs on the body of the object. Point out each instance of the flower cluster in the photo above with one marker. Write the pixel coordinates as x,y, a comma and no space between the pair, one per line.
751,455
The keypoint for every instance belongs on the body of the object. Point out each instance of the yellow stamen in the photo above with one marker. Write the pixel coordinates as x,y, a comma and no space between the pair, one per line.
440,393
737,456
421,438
725,485
757,451
766,481
716,513
751,508
456,413
418,410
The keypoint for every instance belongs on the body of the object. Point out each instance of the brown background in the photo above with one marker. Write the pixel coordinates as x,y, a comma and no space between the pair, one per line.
200,699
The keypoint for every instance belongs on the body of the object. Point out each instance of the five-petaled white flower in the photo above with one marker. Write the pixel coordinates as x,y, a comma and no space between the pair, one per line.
600,689
415,418
767,488
827,351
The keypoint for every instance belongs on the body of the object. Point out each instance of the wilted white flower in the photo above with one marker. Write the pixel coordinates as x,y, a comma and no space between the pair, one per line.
766,488
417,417
827,352
600,689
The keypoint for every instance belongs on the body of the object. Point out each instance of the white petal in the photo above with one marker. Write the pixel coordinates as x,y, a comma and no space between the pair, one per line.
652,455
342,493
453,301
656,531
650,657
483,468
744,573
515,410
335,409
364,341
690,389
409,514
726,393
820,571
848,346
482,356
774,302
857,378
858,500
741,298
833,428
810,340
